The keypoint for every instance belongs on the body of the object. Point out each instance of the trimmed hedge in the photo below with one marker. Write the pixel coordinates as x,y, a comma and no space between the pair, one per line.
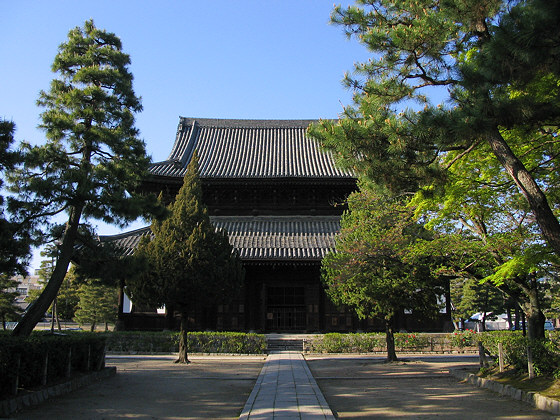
375,342
197,342
546,353
87,353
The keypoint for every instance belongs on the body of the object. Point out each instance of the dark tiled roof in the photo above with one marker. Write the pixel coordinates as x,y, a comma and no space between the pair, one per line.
262,238
126,242
248,149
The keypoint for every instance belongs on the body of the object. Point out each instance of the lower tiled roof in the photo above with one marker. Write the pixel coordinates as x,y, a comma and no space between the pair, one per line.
262,238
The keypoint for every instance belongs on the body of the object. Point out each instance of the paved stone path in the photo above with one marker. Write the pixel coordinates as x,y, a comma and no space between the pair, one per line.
285,389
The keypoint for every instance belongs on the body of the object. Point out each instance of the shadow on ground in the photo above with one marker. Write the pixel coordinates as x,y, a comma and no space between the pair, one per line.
154,388
419,388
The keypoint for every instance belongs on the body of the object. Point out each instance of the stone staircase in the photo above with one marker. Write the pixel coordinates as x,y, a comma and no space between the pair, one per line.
277,343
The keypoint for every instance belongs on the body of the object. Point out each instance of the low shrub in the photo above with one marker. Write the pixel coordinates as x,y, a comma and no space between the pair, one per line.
462,339
197,342
545,352
30,353
347,343
412,342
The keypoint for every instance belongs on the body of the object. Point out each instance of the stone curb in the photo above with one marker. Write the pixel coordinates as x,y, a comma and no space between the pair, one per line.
535,399
12,405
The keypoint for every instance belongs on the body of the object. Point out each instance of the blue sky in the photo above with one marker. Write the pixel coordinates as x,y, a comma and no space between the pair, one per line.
267,59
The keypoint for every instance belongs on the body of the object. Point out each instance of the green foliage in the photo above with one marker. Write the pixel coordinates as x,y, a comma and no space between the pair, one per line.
377,269
93,161
483,158
479,297
199,342
8,294
466,338
545,352
411,341
376,342
87,354
14,240
187,261
347,343
97,304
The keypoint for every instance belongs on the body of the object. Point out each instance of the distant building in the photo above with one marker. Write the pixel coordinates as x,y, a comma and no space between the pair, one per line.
280,198
25,284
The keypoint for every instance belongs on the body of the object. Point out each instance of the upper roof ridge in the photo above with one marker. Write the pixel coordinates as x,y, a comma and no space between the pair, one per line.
237,148
246,123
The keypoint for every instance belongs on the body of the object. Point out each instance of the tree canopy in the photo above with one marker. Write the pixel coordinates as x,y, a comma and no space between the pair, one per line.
483,157
376,269
188,262
93,160
14,239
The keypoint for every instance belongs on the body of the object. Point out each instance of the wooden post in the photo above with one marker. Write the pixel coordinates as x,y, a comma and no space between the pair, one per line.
45,369
501,356
481,355
101,361
69,364
16,378
530,367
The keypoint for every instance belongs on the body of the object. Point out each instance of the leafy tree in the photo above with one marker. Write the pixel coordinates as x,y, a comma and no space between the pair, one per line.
376,269
484,210
496,60
14,240
97,304
480,297
93,160
8,295
107,263
188,262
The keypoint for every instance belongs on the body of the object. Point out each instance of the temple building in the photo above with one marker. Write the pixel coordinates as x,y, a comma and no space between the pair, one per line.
280,198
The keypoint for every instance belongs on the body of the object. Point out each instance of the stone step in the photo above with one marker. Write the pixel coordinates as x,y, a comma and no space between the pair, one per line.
276,345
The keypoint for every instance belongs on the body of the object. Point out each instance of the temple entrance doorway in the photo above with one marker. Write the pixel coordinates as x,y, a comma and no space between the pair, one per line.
285,308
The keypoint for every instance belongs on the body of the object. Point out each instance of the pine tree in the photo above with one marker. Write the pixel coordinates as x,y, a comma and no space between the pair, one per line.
497,62
187,262
93,160
14,239
8,295
97,304
375,270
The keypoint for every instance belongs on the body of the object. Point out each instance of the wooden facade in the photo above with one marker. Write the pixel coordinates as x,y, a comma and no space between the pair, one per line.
280,197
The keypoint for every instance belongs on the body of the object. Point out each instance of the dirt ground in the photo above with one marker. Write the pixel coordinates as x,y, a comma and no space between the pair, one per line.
217,388
156,388
413,388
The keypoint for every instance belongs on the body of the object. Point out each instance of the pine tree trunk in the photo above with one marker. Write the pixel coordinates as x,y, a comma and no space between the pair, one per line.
34,314
183,339
548,223
390,339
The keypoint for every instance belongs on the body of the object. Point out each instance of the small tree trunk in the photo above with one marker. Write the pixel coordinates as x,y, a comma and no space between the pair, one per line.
92,328
390,339
183,339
